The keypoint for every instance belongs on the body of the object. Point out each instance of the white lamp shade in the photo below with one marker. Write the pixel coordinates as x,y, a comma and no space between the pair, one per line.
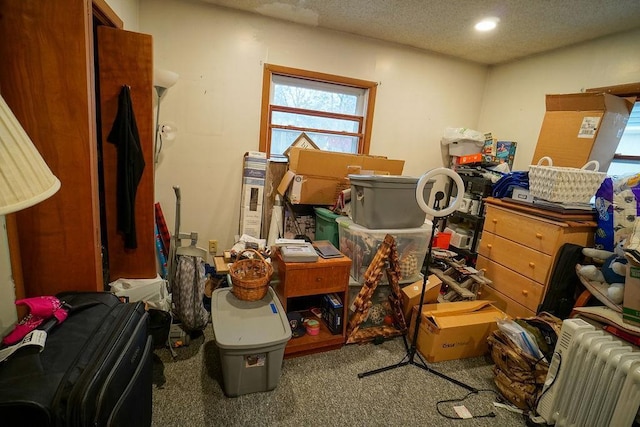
164,78
25,178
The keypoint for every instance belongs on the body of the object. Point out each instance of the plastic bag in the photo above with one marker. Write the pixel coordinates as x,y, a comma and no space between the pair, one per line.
462,134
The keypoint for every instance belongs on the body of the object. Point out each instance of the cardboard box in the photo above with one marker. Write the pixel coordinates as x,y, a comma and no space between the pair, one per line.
316,177
312,190
411,294
455,330
581,127
251,202
631,303
471,158
319,163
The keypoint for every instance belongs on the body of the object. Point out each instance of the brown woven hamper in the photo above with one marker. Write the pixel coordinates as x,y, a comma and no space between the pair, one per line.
250,277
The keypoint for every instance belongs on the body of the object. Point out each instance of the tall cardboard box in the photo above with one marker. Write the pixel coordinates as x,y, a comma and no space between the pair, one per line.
251,202
455,330
580,127
411,294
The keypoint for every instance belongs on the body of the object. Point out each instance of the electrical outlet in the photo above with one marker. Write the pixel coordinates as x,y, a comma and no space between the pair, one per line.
213,247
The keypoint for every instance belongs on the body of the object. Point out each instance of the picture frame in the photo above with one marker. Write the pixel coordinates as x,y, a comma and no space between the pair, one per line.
302,141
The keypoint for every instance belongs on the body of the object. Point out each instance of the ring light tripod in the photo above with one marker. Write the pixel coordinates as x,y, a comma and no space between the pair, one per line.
438,214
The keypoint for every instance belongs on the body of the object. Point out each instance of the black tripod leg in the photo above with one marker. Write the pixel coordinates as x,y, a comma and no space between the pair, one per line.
409,358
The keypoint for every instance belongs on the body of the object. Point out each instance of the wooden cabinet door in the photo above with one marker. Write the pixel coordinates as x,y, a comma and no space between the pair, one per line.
126,58
46,79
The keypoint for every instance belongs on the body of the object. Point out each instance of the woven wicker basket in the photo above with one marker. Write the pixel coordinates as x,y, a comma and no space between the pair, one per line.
563,184
250,276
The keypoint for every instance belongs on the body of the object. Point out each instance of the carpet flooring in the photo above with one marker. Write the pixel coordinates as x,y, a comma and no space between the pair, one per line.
323,389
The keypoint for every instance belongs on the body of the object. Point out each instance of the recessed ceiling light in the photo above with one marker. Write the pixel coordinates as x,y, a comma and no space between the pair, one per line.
487,24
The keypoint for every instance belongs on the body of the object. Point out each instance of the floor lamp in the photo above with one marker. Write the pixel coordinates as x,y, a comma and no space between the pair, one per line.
412,357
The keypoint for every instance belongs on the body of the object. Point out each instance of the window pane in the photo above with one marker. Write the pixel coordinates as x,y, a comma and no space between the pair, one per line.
314,122
314,99
281,139
623,167
630,142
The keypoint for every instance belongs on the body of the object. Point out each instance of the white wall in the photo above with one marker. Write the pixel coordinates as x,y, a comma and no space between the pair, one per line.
219,54
127,10
513,104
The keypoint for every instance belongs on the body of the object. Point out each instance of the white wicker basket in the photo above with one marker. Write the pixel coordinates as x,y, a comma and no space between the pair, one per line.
564,184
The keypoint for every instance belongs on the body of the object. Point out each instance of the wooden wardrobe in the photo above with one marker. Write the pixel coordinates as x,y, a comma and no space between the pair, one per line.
64,63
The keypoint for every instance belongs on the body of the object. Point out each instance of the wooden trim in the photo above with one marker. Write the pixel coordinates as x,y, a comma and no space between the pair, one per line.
314,75
265,114
105,15
368,122
629,89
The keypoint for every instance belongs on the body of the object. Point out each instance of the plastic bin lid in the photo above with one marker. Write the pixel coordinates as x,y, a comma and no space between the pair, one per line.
241,324
400,179
325,213
348,223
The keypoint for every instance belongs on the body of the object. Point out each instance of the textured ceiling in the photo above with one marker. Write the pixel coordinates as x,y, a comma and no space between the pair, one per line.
526,27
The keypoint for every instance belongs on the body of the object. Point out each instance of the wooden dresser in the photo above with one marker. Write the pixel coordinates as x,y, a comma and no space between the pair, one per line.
517,252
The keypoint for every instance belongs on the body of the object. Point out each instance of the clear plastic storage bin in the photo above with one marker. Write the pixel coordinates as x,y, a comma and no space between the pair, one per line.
361,244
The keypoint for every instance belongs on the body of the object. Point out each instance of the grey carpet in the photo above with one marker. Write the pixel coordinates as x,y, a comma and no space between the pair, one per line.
322,389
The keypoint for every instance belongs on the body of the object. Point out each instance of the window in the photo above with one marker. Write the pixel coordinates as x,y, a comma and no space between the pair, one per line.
627,157
335,112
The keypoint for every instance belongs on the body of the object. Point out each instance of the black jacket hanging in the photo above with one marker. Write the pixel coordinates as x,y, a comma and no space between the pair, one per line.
124,135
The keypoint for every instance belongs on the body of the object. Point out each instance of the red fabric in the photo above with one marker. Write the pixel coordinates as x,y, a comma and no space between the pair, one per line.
163,229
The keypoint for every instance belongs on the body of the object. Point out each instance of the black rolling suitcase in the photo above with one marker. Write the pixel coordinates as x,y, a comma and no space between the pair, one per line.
95,369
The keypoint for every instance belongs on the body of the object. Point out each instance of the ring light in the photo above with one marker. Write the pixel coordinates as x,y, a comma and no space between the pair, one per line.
420,192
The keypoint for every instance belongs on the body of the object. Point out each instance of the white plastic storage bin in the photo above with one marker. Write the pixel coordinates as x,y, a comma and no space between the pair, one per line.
251,337
361,244
387,201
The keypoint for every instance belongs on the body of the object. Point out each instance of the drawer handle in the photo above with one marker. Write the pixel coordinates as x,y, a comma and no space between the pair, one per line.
494,220
532,264
489,245
539,235
318,279
525,292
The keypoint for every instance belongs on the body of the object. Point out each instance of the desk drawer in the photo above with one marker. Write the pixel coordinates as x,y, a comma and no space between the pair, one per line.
534,233
528,262
314,281
519,288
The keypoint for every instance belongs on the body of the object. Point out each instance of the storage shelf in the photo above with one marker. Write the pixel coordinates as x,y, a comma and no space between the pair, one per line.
301,286
307,344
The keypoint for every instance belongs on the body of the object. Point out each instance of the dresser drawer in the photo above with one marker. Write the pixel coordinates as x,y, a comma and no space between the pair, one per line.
504,303
526,261
314,281
534,233
519,288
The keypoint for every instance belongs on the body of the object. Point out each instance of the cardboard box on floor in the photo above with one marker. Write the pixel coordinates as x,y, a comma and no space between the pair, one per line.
581,127
411,294
631,302
455,330
316,176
